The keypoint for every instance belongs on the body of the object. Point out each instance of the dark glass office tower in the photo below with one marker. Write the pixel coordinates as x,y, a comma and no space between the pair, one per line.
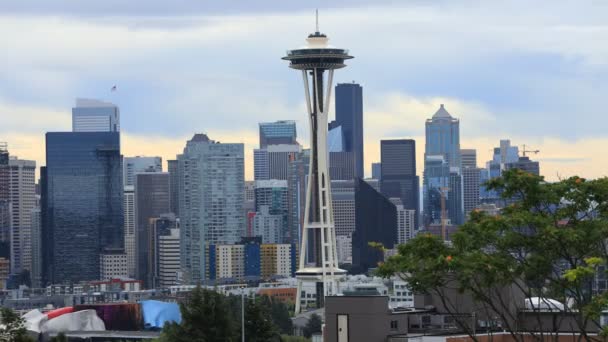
398,172
375,221
5,208
152,199
82,199
173,169
349,115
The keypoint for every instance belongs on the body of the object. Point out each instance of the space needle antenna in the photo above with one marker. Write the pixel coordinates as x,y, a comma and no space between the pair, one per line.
317,19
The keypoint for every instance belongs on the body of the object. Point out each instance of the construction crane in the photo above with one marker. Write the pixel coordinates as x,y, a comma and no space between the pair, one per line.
443,190
529,151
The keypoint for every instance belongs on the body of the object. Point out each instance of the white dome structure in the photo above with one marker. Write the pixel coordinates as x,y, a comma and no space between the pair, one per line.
538,303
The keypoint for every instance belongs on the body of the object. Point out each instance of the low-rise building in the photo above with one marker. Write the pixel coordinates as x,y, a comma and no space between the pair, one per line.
113,265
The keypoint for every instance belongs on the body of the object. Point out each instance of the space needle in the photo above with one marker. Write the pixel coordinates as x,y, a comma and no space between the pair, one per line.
318,261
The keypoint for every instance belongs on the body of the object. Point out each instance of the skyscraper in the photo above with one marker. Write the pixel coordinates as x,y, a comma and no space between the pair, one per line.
36,238
468,158
151,201
277,133
436,185
91,115
442,165
271,198
135,165
470,183
349,115
272,161
470,180
503,154
398,172
443,137
268,226
172,168
168,258
5,209
377,171
406,219
164,251
129,224
297,183
455,196
23,201
211,188
341,161
321,266
131,167
376,221
343,201
525,164
82,204
341,165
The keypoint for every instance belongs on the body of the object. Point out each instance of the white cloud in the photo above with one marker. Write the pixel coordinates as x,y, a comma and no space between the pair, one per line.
507,69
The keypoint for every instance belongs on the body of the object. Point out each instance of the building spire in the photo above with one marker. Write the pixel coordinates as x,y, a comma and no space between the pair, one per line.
317,20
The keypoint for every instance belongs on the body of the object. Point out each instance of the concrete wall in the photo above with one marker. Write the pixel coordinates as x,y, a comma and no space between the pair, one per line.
369,319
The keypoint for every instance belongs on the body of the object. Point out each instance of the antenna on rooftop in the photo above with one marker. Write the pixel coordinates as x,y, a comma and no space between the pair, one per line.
317,19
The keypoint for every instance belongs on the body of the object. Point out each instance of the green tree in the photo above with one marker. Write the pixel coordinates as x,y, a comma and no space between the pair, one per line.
60,338
259,326
280,314
548,242
313,326
205,318
13,327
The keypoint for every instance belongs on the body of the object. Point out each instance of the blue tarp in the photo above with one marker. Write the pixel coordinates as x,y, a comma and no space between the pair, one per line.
156,313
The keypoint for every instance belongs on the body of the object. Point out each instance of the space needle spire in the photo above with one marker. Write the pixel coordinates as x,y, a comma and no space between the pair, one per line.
318,261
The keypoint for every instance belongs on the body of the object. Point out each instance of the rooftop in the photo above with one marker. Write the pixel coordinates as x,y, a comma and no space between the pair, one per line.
442,113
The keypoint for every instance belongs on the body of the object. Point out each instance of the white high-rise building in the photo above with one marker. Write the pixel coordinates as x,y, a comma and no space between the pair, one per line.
129,218
168,259
344,244
343,202
90,115
405,222
211,188
22,196
268,226
135,165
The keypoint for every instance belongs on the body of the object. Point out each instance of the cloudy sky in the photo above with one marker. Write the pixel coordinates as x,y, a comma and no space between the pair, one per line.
534,72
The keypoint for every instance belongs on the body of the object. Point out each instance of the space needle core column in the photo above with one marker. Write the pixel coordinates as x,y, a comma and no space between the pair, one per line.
318,257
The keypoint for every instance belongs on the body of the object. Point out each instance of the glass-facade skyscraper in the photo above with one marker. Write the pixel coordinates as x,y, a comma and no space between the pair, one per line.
92,115
398,172
277,133
443,137
135,165
442,169
376,221
349,115
82,205
211,200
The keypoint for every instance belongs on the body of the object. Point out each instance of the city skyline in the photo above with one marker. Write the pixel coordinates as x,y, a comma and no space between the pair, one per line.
519,84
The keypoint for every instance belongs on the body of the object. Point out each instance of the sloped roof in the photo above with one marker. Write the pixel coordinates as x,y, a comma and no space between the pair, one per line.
442,113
